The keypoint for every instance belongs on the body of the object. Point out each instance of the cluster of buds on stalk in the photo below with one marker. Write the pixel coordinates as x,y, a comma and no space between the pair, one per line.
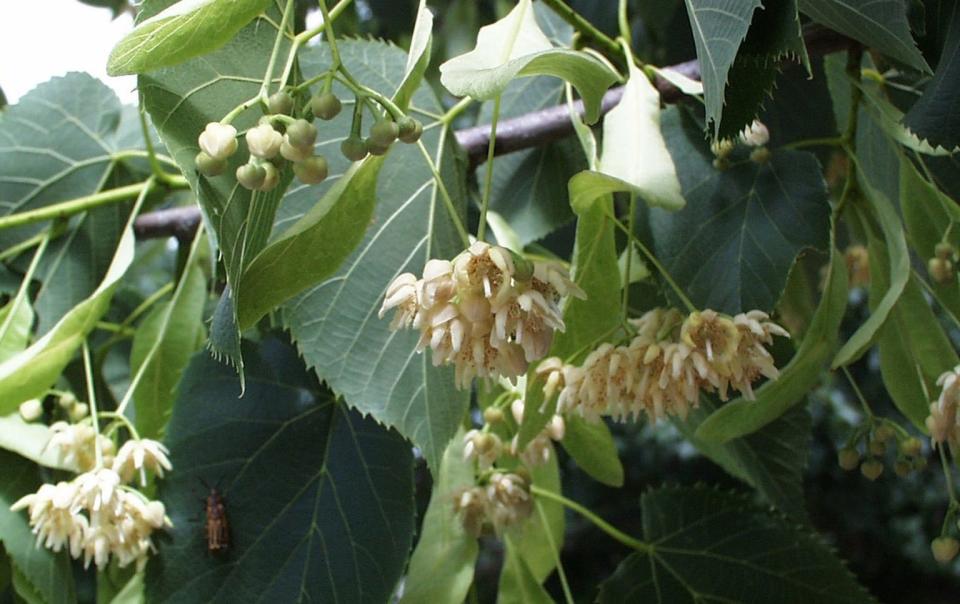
754,136
488,312
665,367
98,515
868,446
501,499
943,266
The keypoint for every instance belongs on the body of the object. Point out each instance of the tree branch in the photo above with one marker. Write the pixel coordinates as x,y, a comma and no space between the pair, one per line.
514,134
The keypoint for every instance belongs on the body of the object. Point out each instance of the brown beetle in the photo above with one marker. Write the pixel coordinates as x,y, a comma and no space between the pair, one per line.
217,525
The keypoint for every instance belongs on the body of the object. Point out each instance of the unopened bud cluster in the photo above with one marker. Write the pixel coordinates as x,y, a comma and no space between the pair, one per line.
96,516
504,500
942,267
486,312
666,366
754,136
883,437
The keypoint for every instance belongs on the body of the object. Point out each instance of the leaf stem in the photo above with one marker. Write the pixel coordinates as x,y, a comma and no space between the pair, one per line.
442,188
603,525
87,202
92,397
162,175
624,23
568,596
488,178
827,141
328,31
584,27
860,397
456,110
274,53
307,35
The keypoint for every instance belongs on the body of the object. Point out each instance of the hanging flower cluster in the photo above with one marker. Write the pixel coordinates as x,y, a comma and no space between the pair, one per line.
502,502
96,514
486,312
943,422
667,364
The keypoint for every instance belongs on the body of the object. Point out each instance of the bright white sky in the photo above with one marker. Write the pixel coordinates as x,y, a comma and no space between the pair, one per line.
75,37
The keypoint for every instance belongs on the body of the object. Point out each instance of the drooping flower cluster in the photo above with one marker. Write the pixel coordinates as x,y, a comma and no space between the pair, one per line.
943,422
504,501
486,312
96,515
667,364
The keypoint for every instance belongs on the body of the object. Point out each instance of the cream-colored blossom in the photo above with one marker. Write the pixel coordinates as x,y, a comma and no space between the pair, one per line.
943,422
140,455
485,447
76,445
263,141
217,140
508,499
538,450
470,504
755,134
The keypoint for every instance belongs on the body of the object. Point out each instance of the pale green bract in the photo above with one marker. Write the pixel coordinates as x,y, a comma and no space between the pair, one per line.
515,46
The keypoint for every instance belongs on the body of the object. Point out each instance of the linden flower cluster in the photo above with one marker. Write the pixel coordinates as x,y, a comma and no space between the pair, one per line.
486,312
943,422
537,451
96,515
503,502
667,364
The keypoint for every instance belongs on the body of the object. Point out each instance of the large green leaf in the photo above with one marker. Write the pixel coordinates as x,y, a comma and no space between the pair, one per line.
182,100
934,117
770,460
515,46
319,500
29,440
335,323
591,446
741,417
710,546
719,27
47,574
16,320
166,340
183,30
56,143
732,247
441,568
881,24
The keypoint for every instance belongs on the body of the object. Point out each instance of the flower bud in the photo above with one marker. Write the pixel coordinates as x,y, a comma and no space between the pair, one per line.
271,177
944,549
492,415
78,412
848,458
376,149
871,469
516,408
31,410
911,447
755,135
410,130
877,447
325,106
944,251
67,400
940,270
301,134
219,141
209,166
251,176
721,148
294,154
280,102
902,468
264,142
384,132
556,428
354,148
883,433
760,155
312,170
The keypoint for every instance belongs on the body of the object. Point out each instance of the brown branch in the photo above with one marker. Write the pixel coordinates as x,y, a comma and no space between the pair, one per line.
514,134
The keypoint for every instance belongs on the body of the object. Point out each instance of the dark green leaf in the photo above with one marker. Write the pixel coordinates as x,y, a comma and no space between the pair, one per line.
719,27
335,324
184,30
47,574
881,24
710,546
934,117
319,499
732,247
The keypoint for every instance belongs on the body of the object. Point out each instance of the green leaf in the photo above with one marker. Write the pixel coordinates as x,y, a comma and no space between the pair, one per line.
182,100
719,27
418,57
732,247
741,417
710,546
335,323
899,270
36,569
771,460
518,585
29,440
633,147
181,31
31,372
933,117
15,326
132,592
320,241
890,119
56,144
591,446
173,329
319,500
595,270
441,568
515,46
881,24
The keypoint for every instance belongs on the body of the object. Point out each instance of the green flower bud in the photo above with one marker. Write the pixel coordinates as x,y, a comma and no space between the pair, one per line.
209,166
293,153
375,148
301,134
251,176
884,433
384,132
848,458
944,251
877,447
944,549
760,155
67,400
871,469
271,177
940,270
280,102
492,415
326,106
911,447
312,170
78,412
409,130
354,148
902,468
